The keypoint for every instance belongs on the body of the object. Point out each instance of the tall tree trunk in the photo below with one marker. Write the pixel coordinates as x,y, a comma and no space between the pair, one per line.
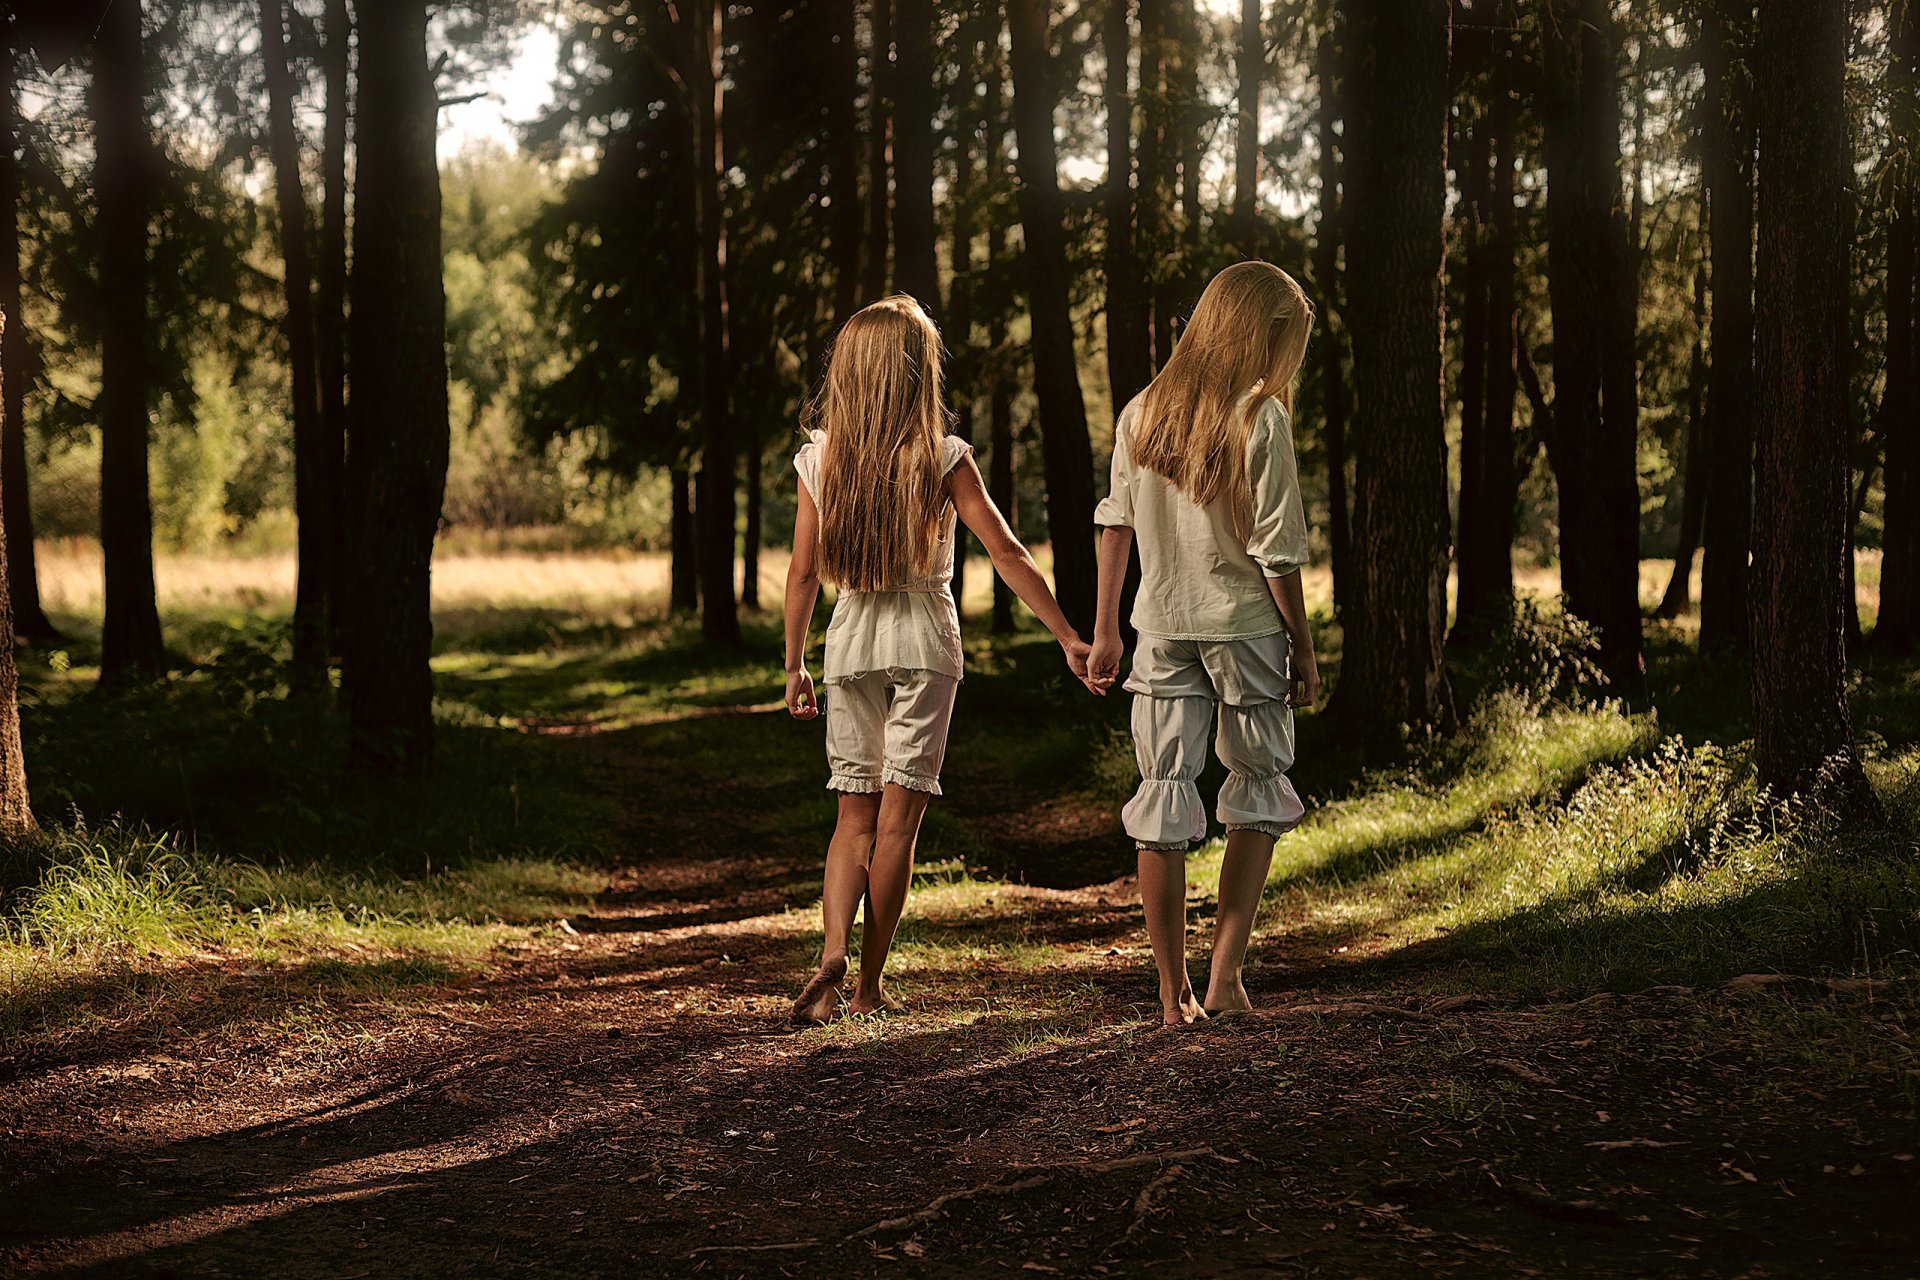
16,810
1151,220
719,618
1392,676
1590,287
1898,628
843,165
682,561
1129,318
1726,148
1246,139
1678,600
964,365
397,462
1326,265
312,498
1000,474
330,323
1486,543
1189,123
916,263
750,537
1471,606
1803,731
1063,415
130,645
880,83
22,566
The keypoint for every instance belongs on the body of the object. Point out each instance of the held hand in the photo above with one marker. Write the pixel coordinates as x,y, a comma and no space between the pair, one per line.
1103,663
1075,650
801,704
1305,690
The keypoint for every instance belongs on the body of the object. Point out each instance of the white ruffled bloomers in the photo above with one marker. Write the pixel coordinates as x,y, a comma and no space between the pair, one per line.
1179,687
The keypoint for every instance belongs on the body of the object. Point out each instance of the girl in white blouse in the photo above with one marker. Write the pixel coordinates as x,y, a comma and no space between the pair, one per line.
881,483
1204,478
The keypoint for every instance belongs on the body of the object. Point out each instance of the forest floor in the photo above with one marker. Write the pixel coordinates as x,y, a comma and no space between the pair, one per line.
1548,1002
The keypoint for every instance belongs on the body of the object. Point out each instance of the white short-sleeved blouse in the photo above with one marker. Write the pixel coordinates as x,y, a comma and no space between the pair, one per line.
1199,580
915,625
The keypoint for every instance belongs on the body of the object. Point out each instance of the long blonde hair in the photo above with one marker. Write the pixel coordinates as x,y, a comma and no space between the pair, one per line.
1249,330
882,494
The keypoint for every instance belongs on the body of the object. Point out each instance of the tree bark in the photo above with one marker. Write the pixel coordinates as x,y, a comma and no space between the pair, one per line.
1803,730
1471,606
397,463
330,323
916,265
682,561
879,143
1129,318
1590,288
1678,600
1189,121
750,536
1726,148
1063,415
843,164
963,367
1000,474
719,617
1333,378
22,565
1246,140
1393,677
1151,222
1898,627
312,498
16,809
130,644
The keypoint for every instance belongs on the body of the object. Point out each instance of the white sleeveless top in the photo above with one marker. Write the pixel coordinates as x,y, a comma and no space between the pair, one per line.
914,626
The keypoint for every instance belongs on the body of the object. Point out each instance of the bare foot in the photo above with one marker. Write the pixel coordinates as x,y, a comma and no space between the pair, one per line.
1227,997
1182,1010
821,996
874,1001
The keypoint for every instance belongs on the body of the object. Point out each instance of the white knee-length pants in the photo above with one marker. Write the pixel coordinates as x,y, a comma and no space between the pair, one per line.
1178,686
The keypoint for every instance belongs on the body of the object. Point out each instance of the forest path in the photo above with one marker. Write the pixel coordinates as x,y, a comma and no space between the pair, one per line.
623,1099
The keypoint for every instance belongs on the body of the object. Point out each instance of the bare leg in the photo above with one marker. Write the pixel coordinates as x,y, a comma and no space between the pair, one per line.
887,882
1243,878
1163,892
845,884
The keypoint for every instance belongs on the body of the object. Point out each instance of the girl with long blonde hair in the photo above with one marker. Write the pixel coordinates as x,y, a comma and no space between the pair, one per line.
881,484
1204,479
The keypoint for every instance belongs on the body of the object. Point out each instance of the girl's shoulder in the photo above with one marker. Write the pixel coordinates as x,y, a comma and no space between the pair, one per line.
952,449
807,461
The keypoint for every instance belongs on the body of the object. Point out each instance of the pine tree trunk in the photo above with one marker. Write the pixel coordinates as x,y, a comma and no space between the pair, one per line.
1590,287
330,322
1803,731
719,616
1155,196
130,645
1246,139
1472,607
880,83
1129,319
22,566
750,537
1000,475
397,462
963,366
1678,600
1063,415
1189,121
312,497
16,810
1726,148
1898,627
843,165
683,564
916,265
1392,676
1326,265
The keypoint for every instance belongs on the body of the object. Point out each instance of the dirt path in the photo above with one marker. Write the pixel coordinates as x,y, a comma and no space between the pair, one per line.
620,1101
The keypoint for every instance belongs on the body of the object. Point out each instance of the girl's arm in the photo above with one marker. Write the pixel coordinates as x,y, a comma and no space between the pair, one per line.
1293,613
1103,662
1011,561
803,588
